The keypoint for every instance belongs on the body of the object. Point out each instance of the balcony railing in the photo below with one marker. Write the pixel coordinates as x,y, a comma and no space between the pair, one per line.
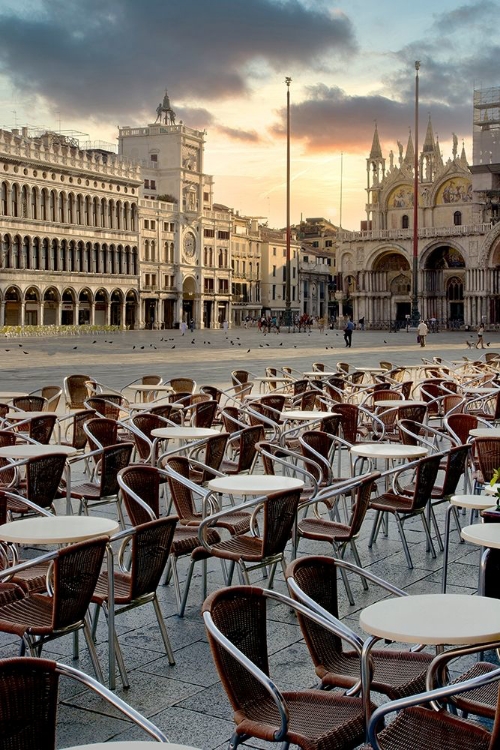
423,232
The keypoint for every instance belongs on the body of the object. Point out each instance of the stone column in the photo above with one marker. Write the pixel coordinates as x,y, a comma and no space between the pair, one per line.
76,312
2,314
23,311
123,314
92,313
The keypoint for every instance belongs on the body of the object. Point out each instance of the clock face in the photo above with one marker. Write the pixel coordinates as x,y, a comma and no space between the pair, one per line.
189,245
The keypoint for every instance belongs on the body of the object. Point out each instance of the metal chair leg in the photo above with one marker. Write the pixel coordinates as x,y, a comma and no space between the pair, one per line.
163,631
187,584
406,549
428,534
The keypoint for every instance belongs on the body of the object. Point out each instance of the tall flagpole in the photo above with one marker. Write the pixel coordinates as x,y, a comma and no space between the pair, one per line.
415,314
288,302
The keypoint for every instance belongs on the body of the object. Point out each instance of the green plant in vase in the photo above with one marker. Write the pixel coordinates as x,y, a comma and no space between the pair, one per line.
495,479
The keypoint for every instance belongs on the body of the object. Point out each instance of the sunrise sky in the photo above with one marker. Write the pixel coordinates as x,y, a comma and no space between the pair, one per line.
94,64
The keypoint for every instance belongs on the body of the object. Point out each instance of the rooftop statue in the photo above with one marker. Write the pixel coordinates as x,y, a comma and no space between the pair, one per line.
164,108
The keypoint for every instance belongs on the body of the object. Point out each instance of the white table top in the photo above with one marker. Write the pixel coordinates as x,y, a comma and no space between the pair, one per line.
320,373
434,619
388,450
21,415
57,529
485,432
304,415
143,388
254,484
372,369
473,502
272,378
9,395
484,534
136,745
388,403
183,433
29,450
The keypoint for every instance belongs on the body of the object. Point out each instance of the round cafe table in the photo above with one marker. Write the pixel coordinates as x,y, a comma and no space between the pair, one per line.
388,450
9,395
388,403
147,389
253,484
470,502
431,620
434,619
485,432
136,745
30,450
320,374
304,415
485,535
22,415
185,434
57,529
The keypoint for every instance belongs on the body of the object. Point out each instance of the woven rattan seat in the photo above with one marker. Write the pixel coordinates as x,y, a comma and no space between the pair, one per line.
75,391
104,490
41,483
403,507
244,444
37,618
251,551
311,719
395,673
39,428
141,488
421,729
483,700
150,549
30,403
236,522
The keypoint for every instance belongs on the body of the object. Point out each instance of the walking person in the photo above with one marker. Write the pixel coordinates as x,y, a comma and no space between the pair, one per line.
348,333
480,333
422,331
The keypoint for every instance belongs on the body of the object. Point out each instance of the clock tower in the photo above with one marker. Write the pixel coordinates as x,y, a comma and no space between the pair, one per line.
186,267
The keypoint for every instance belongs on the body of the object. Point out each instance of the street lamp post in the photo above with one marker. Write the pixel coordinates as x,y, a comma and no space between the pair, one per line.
288,311
415,314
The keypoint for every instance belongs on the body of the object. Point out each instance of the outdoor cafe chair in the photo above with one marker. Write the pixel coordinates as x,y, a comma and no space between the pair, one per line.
403,506
104,489
52,394
313,581
148,549
29,698
38,429
421,724
257,548
334,532
76,391
34,579
235,619
243,450
141,488
186,496
41,482
30,403
182,385
39,618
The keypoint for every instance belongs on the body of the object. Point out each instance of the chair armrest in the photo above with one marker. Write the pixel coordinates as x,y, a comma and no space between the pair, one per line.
425,697
29,503
114,700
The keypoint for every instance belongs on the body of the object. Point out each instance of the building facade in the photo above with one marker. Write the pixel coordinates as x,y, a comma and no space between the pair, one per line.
69,233
458,237
186,256
273,273
318,268
245,268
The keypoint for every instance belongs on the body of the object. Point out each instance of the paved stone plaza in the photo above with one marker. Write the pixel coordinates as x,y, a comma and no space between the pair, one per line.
186,700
